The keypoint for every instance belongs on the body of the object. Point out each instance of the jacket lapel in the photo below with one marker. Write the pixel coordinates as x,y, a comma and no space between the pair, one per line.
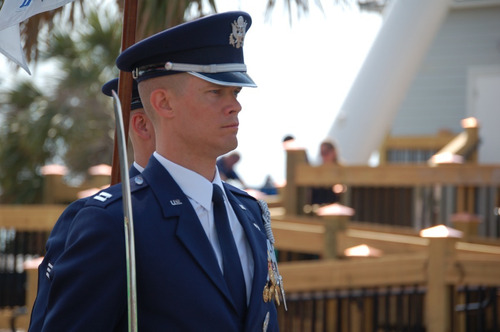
193,237
257,240
174,203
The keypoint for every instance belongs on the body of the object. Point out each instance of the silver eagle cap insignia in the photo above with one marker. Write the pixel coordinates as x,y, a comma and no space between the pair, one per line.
238,35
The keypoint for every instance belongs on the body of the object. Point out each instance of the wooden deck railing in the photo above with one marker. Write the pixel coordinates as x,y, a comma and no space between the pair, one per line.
416,196
57,190
422,149
412,149
435,268
24,230
419,284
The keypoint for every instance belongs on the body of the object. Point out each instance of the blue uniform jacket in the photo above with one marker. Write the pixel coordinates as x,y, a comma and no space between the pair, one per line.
179,283
54,248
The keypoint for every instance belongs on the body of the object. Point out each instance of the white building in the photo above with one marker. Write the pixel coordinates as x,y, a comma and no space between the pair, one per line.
434,63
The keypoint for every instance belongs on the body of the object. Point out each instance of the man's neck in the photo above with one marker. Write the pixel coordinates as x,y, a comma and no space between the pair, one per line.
204,167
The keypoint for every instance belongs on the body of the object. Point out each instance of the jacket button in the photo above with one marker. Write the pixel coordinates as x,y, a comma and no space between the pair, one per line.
138,180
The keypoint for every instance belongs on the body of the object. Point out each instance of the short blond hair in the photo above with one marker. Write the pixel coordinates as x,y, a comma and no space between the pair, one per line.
174,83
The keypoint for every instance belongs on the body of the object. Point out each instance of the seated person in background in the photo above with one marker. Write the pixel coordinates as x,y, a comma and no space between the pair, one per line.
328,153
269,188
325,195
288,141
225,164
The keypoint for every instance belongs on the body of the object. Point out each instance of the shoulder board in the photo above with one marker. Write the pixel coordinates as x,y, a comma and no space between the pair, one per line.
114,193
238,192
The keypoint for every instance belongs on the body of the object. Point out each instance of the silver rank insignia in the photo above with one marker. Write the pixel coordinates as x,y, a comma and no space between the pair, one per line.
273,289
238,35
102,196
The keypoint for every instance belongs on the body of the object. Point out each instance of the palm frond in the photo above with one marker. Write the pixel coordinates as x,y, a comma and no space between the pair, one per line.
39,26
157,15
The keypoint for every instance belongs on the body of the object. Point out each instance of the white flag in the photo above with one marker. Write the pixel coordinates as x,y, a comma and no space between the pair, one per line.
16,11
10,46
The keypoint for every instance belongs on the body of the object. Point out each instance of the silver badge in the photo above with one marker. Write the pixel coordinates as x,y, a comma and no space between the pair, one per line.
238,35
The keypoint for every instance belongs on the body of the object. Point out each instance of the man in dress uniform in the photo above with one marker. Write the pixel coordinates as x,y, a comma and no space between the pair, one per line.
204,259
141,135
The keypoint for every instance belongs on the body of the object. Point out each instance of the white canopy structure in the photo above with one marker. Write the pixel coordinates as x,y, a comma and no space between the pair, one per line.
370,106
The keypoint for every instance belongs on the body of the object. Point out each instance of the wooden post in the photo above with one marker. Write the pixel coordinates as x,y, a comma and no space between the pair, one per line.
31,288
52,184
467,223
336,218
125,80
333,225
470,192
383,151
437,300
465,199
100,175
294,198
472,132
460,199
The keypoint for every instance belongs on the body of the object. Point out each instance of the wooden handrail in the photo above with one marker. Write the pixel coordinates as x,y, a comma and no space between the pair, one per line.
355,273
307,235
397,175
475,270
432,142
30,217
301,237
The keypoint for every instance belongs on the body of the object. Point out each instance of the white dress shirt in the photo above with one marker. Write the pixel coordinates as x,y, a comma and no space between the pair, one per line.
138,167
199,192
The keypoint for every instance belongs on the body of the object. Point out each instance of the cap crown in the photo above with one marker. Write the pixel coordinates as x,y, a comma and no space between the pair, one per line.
212,40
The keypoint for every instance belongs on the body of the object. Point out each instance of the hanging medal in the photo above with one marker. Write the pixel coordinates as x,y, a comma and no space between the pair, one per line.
273,290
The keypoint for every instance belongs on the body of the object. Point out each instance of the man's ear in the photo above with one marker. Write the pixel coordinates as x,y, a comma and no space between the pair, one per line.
160,101
139,123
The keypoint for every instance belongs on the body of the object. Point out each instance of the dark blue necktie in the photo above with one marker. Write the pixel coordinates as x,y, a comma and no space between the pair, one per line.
233,273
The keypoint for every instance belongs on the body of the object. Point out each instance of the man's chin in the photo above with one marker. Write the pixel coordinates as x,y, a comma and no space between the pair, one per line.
230,146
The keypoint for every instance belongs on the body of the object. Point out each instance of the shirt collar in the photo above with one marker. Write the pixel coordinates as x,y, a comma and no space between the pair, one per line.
195,186
138,167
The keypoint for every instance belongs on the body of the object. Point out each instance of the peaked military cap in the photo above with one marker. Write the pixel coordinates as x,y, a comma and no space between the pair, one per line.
113,85
210,48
